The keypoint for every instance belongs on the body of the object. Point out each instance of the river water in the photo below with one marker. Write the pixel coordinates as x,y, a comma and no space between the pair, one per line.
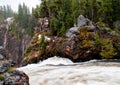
61,71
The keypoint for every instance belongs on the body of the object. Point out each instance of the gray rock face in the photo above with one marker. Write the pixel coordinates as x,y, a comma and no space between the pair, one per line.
5,62
1,47
72,32
82,21
16,47
4,66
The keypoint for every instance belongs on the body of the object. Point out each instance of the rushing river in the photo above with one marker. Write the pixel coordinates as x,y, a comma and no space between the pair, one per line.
60,71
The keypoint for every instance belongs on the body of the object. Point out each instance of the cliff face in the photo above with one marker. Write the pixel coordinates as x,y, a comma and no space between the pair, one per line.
15,46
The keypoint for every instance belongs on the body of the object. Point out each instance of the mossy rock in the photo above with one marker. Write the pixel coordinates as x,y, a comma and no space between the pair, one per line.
11,69
2,77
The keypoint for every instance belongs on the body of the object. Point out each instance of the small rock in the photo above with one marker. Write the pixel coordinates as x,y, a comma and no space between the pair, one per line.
1,57
1,47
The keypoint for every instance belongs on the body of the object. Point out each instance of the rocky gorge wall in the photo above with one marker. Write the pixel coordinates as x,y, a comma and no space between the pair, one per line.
15,46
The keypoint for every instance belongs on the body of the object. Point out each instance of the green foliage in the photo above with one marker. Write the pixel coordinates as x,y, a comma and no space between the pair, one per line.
67,11
24,19
108,51
5,12
63,30
15,31
53,27
116,10
60,14
42,43
100,22
103,27
116,28
97,39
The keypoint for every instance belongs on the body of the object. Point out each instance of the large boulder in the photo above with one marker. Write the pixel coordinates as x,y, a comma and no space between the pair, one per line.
82,21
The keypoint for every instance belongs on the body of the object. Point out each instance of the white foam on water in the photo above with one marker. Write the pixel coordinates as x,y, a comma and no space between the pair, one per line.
56,61
50,61
76,74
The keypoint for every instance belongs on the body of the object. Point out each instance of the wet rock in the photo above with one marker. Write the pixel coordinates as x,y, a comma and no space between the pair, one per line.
16,78
4,66
8,75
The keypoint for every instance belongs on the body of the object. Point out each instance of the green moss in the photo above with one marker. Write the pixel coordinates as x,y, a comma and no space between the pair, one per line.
10,70
2,77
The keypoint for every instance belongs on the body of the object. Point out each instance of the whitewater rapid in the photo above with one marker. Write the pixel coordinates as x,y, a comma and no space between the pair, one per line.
61,71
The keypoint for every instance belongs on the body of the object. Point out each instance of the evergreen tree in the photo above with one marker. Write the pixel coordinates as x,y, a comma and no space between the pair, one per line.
67,11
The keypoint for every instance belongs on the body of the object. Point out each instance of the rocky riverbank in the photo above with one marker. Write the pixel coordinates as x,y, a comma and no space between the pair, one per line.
8,74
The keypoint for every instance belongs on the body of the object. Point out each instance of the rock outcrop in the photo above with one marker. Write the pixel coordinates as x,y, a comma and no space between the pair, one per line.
83,42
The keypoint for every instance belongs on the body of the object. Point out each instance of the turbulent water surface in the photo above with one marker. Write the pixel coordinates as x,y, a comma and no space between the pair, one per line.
60,71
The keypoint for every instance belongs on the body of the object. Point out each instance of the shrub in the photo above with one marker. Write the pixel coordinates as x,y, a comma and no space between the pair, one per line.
97,39
42,43
107,49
